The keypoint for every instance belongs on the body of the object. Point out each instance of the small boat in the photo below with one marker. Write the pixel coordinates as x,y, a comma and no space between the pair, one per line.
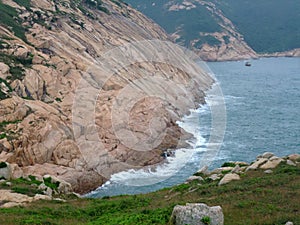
247,64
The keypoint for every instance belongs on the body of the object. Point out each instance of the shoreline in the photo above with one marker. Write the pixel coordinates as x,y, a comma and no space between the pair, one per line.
294,53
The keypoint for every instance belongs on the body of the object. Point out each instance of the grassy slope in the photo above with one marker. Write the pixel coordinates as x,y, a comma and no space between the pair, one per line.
256,199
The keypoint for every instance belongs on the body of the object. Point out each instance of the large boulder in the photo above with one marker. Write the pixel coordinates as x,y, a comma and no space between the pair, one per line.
228,178
196,213
294,157
256,164
272,163
4,70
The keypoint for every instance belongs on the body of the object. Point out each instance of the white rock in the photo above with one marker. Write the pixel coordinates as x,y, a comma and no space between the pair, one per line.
271,164
256,164
274,158
41,197
48,192
21,52
228,178
294,157
290,162
268,171
241,163
4,70
289,223
267,155
214,176
43,186
221,169
5,172
203,170
236,169
59,199
192,178
193,213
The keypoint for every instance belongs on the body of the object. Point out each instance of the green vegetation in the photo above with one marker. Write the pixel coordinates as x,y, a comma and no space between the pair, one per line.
188,23
7,134
85,5
268,26
9,18
206,220
25,3
208,39
228,164
257,198
48,182
3,165
23,186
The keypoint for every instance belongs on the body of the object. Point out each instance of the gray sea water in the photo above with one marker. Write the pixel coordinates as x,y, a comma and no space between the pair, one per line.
263,114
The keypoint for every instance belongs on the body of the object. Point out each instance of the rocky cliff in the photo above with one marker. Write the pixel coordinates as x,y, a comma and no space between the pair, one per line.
48,50
199,24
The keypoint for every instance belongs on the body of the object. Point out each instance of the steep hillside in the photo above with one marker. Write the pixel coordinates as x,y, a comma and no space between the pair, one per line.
52,56
227,30
268,26
199,25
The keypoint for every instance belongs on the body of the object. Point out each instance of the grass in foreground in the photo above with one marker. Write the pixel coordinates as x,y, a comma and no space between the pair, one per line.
257,198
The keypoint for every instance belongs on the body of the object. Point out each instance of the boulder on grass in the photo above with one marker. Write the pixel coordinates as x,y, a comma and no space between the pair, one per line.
197,214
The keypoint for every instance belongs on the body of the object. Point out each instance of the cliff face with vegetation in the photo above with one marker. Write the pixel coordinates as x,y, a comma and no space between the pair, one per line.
46,48
228,30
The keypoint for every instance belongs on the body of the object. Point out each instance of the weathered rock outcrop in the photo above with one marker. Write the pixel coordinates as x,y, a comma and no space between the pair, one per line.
231,44
197,214
226,174
64,45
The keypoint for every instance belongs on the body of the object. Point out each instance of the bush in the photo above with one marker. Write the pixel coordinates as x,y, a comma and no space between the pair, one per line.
48,183
206,220
3,164
228,164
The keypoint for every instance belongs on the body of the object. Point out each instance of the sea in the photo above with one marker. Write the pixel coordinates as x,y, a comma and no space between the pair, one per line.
262,115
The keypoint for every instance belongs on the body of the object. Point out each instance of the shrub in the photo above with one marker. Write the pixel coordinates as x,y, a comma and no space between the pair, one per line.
3,164
206,220
48,183
228,164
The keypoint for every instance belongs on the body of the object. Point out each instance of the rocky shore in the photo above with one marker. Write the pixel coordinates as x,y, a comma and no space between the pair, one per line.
42,68
231,171
51,188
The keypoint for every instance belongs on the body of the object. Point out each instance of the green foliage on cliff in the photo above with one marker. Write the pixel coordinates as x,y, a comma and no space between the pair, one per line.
187,23
257,198
268,25
9,18
24,3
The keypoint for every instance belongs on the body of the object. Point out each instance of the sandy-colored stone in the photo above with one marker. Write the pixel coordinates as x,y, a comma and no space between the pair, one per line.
257,164
48,143
268,171
271,164
290,162
192,178
228,178
267,155
192,213
4,70
294,157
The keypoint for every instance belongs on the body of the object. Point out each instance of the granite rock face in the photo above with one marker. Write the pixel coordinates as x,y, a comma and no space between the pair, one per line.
66,54
196,214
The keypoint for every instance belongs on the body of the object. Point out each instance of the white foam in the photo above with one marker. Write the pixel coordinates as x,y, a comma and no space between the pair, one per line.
149,175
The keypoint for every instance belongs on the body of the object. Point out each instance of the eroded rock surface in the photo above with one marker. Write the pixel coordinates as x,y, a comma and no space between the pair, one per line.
39,133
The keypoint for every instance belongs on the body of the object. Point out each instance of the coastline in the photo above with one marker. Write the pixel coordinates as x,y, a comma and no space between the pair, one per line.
215,58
